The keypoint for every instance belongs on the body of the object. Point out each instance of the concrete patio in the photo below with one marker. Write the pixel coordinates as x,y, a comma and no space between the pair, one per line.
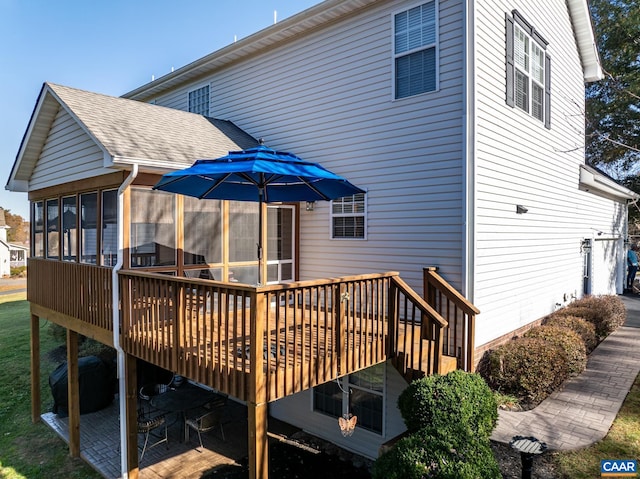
100,444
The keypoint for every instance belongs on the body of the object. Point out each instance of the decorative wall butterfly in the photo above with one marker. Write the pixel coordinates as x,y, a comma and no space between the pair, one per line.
347,424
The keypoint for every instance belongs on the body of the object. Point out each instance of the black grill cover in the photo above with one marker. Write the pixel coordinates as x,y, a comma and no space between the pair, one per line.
96,386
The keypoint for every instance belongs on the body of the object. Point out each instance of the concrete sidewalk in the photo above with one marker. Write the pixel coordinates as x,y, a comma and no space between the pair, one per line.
582,412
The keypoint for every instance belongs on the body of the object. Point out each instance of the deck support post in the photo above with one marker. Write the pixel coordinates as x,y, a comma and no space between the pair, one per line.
35,369
73,393
257,407
131,411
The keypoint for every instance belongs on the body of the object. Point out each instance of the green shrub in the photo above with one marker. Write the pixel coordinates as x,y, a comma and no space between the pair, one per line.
421,456
18,271
528,368
569,341
607,313
584,328
455,405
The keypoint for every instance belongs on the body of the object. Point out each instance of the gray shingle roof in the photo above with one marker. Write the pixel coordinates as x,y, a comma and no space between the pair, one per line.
136,130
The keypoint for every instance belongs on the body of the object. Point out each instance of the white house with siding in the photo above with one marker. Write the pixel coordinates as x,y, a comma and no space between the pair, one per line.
462,119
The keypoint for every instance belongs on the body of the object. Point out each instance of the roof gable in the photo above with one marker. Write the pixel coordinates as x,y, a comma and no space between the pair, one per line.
127,131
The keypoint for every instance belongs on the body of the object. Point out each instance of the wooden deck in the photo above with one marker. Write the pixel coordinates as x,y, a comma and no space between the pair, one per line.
258,344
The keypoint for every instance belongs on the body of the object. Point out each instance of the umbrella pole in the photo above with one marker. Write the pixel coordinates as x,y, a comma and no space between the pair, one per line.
260,201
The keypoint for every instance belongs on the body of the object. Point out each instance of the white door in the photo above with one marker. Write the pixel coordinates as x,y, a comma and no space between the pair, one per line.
281,244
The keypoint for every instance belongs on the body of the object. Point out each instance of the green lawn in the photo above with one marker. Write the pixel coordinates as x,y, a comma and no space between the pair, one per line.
27,450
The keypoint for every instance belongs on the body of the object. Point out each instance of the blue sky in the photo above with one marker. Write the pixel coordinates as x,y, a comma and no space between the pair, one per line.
110,47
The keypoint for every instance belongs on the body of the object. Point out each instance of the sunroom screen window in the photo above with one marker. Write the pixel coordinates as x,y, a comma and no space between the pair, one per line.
53,229
37,219
202,231
88,231
153,231
415,50
243,231
69,229
109,228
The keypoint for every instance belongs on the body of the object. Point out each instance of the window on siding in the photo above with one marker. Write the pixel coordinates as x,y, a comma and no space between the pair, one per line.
416,50
360,394
199,101
348,217
528,69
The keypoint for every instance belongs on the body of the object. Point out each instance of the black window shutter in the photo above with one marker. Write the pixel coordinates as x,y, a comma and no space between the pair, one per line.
509,60
547,91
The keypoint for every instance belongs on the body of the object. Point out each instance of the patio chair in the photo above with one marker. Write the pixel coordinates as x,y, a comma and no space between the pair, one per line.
205,423
149,426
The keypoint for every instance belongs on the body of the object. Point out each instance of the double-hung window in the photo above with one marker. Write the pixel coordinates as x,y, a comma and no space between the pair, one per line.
360,394
528,69
199,101
348,217
416,50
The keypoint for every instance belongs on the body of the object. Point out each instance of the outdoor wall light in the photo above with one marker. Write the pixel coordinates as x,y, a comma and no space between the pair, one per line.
310,205
521,209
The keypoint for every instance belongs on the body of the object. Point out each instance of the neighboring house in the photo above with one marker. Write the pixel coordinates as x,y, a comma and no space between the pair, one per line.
463,121
11,255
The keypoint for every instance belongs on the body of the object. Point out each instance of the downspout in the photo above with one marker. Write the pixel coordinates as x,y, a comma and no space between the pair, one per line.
469,154
115,298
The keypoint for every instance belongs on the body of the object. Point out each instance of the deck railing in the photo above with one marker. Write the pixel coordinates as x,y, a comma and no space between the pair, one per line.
292,336
415,332
196,328
76,290
321,330
299,334
458,336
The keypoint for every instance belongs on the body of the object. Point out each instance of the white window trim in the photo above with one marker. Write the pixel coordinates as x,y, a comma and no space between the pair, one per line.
529,74
516,23
394,55
345,215
198,87
346,387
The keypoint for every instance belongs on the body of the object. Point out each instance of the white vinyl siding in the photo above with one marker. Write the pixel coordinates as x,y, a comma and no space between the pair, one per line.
528,264
326,98
68,154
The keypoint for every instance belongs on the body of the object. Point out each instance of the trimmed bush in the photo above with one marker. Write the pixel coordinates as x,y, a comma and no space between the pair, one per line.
607,313
458,404
584,328
529,368
422,456
566,339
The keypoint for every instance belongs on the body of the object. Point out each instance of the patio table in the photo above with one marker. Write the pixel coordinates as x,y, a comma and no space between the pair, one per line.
181,400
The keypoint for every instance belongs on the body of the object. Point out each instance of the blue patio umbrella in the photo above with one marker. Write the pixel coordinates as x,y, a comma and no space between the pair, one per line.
258,174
